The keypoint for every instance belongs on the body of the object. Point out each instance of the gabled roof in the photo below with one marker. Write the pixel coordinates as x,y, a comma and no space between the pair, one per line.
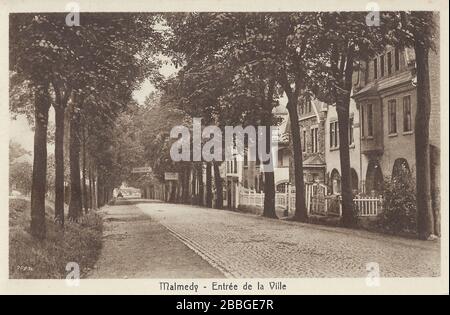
314,161
319,105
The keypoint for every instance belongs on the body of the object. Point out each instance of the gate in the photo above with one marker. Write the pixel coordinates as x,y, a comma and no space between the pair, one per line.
317,199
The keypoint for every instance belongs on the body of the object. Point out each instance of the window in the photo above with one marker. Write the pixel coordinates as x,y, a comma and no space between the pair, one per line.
305,144
375,68
397,59
308,105
232,166
350,132
407,125
314,140
334,134
392,109
381,66
369,120
389,62
363,122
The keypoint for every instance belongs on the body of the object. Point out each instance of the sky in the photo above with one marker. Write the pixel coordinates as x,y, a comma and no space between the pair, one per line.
147,87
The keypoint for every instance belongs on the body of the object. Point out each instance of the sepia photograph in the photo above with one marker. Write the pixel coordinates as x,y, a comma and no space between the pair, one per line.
219,151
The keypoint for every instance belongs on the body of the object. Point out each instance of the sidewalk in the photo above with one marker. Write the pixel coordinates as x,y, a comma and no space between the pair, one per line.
135,246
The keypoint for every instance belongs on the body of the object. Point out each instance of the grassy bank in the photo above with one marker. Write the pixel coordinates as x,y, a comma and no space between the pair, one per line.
32,259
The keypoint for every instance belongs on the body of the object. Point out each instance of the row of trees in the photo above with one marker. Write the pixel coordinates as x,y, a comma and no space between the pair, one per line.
234,66
87,73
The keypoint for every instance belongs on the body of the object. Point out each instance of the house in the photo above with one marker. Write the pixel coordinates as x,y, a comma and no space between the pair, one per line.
233,178
252,176
387,100
332,155
281,137
312,118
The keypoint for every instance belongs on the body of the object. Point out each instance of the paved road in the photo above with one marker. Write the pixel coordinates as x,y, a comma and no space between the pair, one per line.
242,245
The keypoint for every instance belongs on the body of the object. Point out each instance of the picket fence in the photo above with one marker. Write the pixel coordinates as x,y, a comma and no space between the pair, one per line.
318,201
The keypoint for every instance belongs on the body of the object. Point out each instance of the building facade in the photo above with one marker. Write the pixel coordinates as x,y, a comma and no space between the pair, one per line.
358,162
386,97
381,132
252,176
312,119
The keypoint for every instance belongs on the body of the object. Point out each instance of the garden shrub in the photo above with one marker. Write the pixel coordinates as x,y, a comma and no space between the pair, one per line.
399,215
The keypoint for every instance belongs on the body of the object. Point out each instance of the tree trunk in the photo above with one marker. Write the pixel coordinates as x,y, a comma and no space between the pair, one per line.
84,171
99,190
194,186
201,188
94,189
59,164
348,218
105,195
435,184
343,111
180,191
301,213
425,220
269,195
39,180
269,181
91,192
185,195
209,185
219,186
75,206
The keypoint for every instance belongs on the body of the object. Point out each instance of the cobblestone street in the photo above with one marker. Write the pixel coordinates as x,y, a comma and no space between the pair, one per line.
242,245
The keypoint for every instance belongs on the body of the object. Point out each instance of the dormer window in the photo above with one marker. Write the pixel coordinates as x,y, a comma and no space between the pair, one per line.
314,139
375,68
397,59
389,62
